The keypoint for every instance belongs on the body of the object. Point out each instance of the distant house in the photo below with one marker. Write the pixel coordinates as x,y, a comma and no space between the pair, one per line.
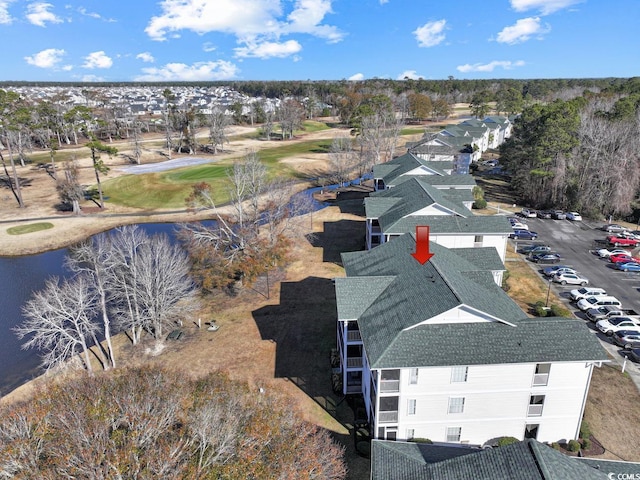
394,212
440,351
526,460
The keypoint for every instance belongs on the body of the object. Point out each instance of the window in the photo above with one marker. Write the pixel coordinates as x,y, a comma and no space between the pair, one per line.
459,374
456,405
410,433
454,434
536,402
531,431
411,407
541,376
413,376
477,241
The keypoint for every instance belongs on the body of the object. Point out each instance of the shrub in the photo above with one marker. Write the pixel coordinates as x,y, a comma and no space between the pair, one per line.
555,446
573,446
420,440
480,204
504,441
539,309
585,430
586,443
560,311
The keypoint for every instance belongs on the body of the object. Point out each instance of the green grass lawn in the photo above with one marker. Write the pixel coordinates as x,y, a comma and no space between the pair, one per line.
29,228
169,189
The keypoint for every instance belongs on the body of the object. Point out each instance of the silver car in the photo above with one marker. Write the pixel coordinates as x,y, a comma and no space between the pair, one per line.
564,278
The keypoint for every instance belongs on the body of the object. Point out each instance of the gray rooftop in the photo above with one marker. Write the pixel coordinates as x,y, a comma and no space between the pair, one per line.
526,460
390,328
453,225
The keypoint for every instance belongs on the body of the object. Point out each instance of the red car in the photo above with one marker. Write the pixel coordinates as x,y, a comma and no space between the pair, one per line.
621,241
623,257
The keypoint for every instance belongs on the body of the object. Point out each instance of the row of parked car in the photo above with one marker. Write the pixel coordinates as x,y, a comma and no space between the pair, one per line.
621,325
554,214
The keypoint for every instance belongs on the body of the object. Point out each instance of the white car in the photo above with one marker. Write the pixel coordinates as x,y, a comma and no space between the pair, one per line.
606,253
572,278
574,216
609,326
516,225
528,213
580,293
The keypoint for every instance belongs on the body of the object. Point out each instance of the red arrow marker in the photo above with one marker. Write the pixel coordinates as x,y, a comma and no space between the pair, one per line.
422,245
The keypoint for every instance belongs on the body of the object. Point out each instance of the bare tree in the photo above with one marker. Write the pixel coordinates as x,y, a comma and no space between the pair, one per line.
218,123
342,159
59,321
291,116
69,188
151,423
378,137
166,292
91,259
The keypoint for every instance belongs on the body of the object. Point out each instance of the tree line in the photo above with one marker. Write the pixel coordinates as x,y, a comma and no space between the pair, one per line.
579,154
151,423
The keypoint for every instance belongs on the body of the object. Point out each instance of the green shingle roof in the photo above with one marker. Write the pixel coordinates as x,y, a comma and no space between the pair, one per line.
393,339
526,460
447,224
354,295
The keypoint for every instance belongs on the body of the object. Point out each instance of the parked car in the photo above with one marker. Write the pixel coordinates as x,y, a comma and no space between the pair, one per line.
544,213
523,234
622,258
596,301
628,266
518,225
609,326
553,269
490,163
558,215
635,354
574,216
606,253
533,249
627,339
546,258
570,278
528,213
583,292
613,228
619,241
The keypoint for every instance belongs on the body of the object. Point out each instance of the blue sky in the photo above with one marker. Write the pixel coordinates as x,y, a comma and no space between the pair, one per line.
206,40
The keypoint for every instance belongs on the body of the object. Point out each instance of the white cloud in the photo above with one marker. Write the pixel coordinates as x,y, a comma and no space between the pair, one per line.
355,78
307,17
256,24
545,7
87,13
430,34
5,16
412,74
48,58
208,47
269,50
200,71
522,31
146,57
67,68
97,60
490,67
39,14
382,2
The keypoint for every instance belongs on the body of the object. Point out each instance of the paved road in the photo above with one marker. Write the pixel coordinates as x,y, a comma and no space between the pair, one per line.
575,242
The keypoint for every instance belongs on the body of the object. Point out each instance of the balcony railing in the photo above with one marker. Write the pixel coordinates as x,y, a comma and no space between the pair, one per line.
353,336
540,379
534,411
354,362
388,417
387,386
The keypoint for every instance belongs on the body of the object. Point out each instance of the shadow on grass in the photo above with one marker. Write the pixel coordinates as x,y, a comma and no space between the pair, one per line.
338,237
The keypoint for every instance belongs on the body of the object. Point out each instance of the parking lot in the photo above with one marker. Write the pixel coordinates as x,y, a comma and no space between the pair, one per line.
575,242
